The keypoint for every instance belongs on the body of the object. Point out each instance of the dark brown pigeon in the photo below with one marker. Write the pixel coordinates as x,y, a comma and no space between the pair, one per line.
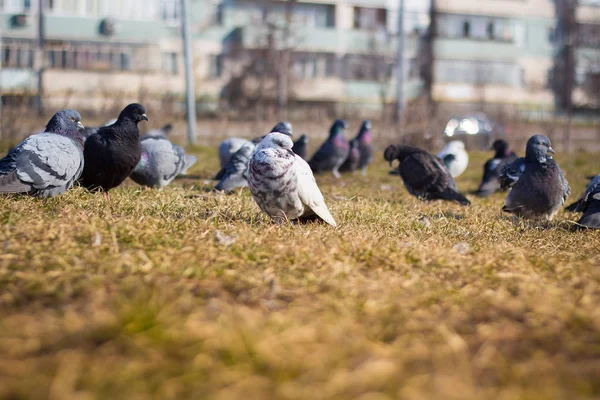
575,206
300,146
333,152
590,205
538,186
490,183
114,151
424,175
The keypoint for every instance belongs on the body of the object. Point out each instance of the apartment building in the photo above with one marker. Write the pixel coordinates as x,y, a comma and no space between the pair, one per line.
339,50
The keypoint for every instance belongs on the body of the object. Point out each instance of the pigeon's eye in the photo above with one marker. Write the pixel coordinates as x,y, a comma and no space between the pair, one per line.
72,119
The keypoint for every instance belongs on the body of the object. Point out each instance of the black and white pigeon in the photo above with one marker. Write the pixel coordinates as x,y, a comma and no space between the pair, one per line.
333,152
490,183
538,185
365,146
46,164
353,159
161,133
424,175
228,147
300,146
114,151
455,157
235,173
160,163
283,184
590,205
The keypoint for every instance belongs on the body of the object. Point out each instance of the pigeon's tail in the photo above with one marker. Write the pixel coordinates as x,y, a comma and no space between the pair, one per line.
10,183
230,182
323,212
574,207
452,195
189,161
219,175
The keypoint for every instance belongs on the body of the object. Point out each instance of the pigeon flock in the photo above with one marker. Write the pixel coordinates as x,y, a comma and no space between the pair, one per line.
278,171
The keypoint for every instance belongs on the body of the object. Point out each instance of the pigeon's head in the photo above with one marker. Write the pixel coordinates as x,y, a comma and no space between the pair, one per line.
277,140
303,139
391,153
538,147
134,112
366,125
338,127
283,127
500,146
65,121
167,129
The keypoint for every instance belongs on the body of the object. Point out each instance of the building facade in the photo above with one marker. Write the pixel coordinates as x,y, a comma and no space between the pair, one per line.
322,52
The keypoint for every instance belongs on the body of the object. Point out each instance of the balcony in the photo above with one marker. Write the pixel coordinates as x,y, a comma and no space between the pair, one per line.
469,49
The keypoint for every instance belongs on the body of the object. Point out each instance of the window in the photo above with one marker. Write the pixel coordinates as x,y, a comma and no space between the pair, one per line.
370,18
466,31
216,65
169,61
170,11
479,72
490,30
17,55
15,6
89,56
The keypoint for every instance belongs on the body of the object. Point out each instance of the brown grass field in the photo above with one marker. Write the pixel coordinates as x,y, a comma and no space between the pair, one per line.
188,294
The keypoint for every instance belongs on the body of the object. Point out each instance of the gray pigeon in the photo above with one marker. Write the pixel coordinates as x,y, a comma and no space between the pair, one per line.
235,173
490,183
161,133
353,159
424,175
228,147
538,185
46,164
300,146
332,154
160,163
283,184
365,146
590,205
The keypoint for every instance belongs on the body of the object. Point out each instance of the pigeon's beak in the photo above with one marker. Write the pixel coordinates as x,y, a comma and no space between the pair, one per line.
551,150
144,117
80,126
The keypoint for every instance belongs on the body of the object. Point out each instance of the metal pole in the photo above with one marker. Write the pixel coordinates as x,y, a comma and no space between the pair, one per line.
400,65
39,54
190,92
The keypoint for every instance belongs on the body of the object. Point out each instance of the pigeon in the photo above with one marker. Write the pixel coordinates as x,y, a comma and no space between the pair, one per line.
228,147
282,183
353,159
46,164
332,154
234,174
424,175
89,131
300,146
160,163
455,157
590,205
162,133
114,151
490,182
365,146
538,185
575,206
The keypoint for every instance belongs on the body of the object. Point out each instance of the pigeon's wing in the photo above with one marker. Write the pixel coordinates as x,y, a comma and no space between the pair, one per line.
309,192
234,174
511,173
320,160
168,158
420,171
189,161
42,161
564,185
592,192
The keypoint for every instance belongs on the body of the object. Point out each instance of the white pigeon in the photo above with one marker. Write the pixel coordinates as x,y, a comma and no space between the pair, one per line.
228,147
455,157
283,184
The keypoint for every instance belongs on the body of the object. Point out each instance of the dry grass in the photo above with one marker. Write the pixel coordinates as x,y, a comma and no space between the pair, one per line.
189,294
